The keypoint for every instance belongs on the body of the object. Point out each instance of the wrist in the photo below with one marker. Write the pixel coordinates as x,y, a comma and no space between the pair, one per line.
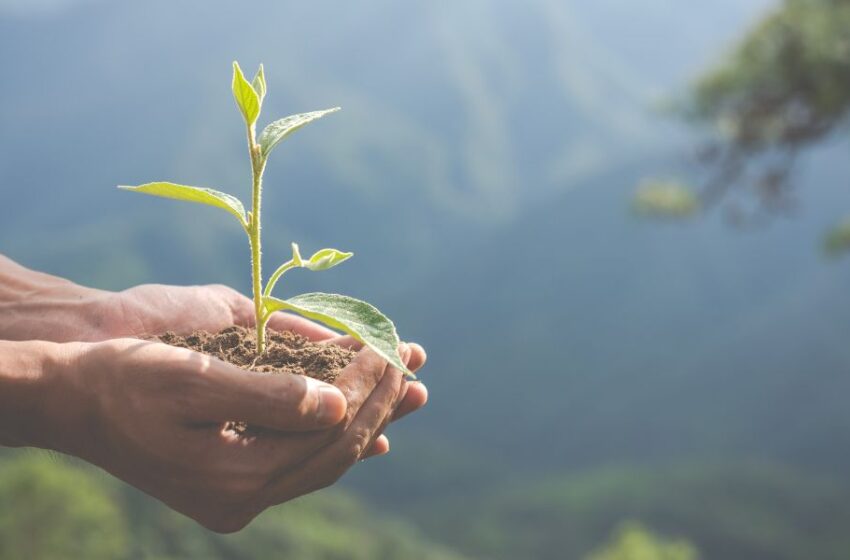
28,401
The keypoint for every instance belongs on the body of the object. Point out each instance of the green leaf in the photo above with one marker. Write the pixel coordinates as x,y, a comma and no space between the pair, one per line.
245,96
274,133
194,194
357,318
325,259
259,84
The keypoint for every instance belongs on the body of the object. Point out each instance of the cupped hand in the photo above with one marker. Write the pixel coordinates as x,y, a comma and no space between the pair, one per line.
155,308
154,416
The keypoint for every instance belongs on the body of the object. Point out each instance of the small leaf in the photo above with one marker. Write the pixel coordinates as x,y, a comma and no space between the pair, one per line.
194,194
274,133
245,96
259,84
326,258
357,318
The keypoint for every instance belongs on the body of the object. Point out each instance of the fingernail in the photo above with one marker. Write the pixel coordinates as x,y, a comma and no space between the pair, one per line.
332,405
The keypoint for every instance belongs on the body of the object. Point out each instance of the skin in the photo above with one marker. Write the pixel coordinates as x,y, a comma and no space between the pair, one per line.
72,380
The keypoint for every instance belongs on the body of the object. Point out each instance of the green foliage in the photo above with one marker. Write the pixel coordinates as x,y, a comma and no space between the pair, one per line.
665,199
730,511
326,526
53,511
836,242
355,317
784,88
787,82
331,526
631,541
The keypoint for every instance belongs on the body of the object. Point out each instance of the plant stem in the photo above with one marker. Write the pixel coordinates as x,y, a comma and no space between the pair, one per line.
277,274
257,166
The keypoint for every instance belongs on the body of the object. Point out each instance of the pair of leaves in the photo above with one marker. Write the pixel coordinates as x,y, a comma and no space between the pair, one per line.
270,137
249,95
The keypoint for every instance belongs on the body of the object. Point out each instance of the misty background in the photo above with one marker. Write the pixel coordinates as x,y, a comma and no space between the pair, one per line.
587,368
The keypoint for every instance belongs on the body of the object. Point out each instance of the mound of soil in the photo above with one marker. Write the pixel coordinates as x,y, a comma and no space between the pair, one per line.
285,351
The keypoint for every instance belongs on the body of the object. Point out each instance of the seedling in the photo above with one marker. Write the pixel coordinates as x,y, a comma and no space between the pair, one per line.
357,318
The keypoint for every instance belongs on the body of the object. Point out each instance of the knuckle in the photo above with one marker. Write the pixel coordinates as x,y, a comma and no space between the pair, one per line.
357,446
305,406
235,303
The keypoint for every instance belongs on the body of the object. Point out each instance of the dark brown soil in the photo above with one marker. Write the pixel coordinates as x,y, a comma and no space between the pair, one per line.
285,352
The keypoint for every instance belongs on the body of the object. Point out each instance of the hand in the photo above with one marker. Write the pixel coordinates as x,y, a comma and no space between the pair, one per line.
153,415
37,306
156,308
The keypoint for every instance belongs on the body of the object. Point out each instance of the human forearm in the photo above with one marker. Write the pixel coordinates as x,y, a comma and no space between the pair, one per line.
38,306
31,407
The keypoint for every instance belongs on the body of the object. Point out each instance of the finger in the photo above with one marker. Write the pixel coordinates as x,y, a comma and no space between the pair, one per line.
287,322
372,417
359,379
330,463
381,446
416,398
357,382
418,357
280,401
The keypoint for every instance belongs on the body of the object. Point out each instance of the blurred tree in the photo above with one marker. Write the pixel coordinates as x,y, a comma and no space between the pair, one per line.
631,541
50,510
785,87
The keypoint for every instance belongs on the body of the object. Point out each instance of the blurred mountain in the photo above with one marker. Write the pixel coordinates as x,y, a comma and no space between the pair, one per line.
583,335
455,119
481,170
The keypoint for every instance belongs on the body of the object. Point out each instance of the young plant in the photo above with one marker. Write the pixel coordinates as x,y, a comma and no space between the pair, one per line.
357,318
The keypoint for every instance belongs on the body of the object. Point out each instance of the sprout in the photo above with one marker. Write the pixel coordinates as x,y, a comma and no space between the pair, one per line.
357,318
